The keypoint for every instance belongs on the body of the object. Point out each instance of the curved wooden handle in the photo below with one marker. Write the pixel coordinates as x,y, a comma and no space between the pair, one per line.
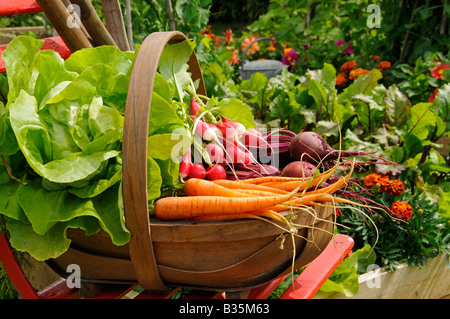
134,169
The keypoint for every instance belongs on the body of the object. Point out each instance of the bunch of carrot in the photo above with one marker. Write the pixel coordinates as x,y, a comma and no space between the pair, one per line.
267,196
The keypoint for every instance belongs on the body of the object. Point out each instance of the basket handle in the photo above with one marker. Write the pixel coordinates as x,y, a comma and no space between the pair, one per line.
262,39
134,162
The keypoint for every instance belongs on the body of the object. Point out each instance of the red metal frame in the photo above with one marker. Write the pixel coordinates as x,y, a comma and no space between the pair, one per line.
305,286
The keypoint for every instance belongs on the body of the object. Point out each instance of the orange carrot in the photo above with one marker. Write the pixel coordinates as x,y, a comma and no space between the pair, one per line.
308,183
239,185
254,192
201,187
172,208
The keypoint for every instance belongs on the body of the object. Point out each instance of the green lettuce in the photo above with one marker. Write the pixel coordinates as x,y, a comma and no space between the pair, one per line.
61,137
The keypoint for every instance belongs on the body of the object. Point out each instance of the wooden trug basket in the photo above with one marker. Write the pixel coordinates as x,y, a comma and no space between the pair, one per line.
226,256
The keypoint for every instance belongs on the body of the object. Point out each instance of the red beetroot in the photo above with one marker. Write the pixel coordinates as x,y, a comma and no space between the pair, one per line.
299,169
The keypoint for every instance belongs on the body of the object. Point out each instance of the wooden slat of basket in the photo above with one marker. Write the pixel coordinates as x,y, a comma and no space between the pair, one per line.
134,172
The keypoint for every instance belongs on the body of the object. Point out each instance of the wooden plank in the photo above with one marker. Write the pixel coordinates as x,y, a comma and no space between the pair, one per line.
12,7
429,282
92,23
114,23
37,28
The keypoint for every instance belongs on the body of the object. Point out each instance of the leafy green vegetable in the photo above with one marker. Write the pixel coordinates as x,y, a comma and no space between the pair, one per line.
64,122
173,66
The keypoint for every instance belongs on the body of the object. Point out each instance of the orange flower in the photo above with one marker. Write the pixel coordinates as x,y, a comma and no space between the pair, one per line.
348,66
385,184
376,58
385,65
341,80
395,188
234,59
272,46
253,49
209,33
438,71
402,210
354,74
376,178
228,36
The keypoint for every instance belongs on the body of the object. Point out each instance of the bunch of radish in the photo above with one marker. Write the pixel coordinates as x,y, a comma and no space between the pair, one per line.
227,156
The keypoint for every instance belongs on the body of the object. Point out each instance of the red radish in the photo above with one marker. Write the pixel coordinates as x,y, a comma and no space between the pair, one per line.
215,129
197,171
240,128
215,152
312,147
299,169
185,165
253,138
235,155
194,107
228,131
216,171
205,131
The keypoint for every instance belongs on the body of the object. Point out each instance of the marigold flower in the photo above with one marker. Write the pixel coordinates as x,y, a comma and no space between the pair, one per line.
433,95
376,178
438,71
385,65
348,66
402,210
395,187
341,80
376,58
251,50
354,74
